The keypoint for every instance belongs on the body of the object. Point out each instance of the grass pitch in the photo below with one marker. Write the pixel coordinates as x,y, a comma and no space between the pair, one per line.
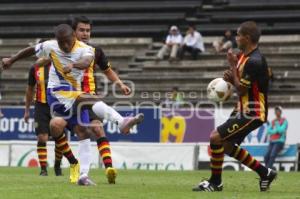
24,183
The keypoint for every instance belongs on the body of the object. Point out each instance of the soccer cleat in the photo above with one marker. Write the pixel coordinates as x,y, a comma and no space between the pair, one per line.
129,122
43,173
264,183
57,171
74,172
85,181
208,186
111,174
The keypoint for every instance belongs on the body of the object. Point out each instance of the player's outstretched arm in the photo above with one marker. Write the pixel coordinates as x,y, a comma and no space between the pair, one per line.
26,52
112,76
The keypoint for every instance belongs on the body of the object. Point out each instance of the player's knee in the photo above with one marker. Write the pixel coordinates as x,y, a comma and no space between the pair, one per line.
215,138
97,129
42,138
228,147
57,126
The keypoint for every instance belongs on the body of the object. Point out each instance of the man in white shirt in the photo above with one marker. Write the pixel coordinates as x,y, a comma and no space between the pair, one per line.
173,41
193,43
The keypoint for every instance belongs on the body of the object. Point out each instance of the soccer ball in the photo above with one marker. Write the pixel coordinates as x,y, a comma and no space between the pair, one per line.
218,90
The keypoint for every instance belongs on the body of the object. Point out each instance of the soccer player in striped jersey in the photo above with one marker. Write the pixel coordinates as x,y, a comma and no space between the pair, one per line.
249,75
37,82
69,58
82,27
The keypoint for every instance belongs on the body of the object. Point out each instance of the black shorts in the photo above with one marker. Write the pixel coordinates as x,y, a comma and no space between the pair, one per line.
237,127
42,118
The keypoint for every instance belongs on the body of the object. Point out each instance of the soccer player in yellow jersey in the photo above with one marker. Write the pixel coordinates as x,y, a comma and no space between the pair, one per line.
69,58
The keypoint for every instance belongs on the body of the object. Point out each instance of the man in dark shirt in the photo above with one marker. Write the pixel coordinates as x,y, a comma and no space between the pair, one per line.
249,75
38,80
82,27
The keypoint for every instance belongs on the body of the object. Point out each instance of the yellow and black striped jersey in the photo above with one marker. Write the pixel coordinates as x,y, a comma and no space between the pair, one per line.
253,74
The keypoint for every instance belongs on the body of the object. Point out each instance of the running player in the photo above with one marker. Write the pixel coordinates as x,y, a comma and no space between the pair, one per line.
249,75
69,58
38,80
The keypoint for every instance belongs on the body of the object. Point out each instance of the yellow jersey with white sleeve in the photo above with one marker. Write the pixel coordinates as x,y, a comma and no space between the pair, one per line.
63,87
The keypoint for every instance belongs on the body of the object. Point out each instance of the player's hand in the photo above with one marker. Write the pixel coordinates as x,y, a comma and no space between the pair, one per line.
228,76
125,89
232,58
26,116
6,63
68,68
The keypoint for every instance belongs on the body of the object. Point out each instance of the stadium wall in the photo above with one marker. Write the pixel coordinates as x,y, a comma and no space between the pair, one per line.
166,140
146,156
160,125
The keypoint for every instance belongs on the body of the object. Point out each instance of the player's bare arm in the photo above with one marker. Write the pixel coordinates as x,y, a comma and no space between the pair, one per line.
227,76
81,64
26,52
232,60
112,76
28,100
43,61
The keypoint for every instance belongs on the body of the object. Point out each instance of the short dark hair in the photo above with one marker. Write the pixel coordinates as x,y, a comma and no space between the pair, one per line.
63,29
250,28
192,26
80,19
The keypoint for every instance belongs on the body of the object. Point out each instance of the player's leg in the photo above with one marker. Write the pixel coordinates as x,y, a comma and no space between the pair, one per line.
84,154
216,162
84,151
45,119
42,139
57,126
57,161
223,140
103,148
233,133
41,118
104,111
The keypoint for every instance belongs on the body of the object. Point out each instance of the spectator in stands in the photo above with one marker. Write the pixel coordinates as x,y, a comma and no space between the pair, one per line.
173,41
193,43
227,42
175,100
277,132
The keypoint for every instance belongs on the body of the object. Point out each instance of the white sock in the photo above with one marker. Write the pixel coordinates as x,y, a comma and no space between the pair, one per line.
84,153
104,111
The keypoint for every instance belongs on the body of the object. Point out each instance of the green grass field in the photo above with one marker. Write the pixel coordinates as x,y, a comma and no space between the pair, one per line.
24,183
